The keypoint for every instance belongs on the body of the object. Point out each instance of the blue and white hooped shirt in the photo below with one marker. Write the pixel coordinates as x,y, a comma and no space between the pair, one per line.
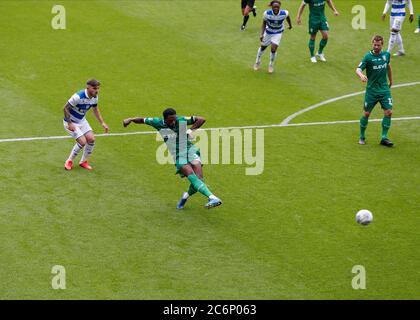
275,23
80,104
398,7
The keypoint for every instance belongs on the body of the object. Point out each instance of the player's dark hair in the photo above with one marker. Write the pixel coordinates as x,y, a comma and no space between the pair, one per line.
273,2
168,112
378,38
93,83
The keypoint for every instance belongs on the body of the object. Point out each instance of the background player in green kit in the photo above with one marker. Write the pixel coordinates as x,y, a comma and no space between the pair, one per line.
378,72
187,157
317,22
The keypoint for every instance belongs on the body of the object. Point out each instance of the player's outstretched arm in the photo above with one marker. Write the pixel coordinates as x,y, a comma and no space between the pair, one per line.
331,5
300,11
127,121
67,116
98,116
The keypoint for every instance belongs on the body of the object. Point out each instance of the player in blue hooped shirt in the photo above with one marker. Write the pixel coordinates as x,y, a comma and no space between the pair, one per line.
271,33
78,127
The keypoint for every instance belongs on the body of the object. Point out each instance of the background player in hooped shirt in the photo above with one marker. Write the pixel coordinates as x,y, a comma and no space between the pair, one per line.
396,19
378,72
317,22
271,33
186,155
78,127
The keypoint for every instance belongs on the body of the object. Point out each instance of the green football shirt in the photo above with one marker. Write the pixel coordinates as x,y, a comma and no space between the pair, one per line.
181,148
316,10
376,66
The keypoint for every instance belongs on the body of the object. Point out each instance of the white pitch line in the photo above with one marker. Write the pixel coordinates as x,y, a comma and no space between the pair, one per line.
302,111
210,129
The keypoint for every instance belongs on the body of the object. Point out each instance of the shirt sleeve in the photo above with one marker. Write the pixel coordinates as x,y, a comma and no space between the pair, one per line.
388,4
265,16
189,120
154,122
362,64
287,13
74,100
410,7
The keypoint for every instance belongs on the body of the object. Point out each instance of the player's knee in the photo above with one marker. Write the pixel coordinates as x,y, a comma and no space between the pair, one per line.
81,141
91,140
388,113
366,114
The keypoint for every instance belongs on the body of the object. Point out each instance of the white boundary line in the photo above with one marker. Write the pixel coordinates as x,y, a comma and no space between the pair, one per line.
210,129
284,123
302,111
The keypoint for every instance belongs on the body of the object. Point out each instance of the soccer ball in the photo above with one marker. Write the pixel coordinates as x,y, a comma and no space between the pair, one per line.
364,217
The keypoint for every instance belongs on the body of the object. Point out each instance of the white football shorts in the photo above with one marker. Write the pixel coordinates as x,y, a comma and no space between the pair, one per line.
396,23
271,38
82,128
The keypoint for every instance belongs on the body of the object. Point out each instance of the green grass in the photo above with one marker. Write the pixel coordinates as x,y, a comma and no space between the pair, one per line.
288,233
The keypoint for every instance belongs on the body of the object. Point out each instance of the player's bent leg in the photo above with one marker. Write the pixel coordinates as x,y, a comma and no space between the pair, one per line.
399,42
260,52
322,45
200,186
311,46
273,55
90,144
197,168
392,40
363,126
386,125
80,143
246,12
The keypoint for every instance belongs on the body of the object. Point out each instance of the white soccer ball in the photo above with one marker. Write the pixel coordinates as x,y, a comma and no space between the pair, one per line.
364,217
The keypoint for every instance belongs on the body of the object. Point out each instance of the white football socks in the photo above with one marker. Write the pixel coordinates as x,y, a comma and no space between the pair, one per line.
400,42
75,151
87,152
392,41
259,55
273,56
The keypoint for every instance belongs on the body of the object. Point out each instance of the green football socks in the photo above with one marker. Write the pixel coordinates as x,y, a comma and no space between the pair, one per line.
363,125
386,124
191,190
198,185
322,45
312,47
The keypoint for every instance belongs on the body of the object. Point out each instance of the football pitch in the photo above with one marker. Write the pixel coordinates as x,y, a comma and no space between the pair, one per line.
287,233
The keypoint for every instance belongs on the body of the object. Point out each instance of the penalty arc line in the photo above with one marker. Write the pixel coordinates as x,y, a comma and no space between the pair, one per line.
287,120
212,129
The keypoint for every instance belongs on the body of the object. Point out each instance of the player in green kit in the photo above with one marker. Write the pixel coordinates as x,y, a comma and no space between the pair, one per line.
378,72
187,157
317,22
